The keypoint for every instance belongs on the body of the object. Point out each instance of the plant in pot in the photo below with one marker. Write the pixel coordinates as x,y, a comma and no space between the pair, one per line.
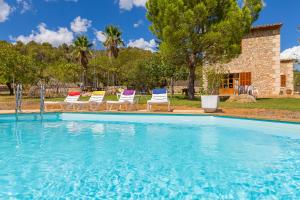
212,81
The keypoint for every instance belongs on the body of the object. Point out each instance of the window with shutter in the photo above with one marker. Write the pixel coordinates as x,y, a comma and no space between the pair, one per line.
245,78
283,80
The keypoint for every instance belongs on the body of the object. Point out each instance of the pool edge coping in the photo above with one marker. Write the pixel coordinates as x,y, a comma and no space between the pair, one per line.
217,115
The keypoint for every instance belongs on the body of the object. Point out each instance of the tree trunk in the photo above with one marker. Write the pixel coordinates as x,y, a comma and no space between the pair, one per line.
108,79
113,79
11,89
85,77
172,87
84,62
192,77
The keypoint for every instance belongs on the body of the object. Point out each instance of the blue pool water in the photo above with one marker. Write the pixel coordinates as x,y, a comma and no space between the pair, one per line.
110,156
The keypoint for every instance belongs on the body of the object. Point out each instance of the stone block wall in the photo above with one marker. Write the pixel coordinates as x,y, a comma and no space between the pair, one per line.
287,69
260,56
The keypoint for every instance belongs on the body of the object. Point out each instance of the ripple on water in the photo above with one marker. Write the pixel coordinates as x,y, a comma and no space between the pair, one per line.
111,160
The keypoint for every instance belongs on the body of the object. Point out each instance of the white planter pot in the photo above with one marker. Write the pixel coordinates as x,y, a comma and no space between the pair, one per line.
210,103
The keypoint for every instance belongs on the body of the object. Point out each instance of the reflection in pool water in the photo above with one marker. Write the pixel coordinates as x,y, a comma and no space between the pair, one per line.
148,157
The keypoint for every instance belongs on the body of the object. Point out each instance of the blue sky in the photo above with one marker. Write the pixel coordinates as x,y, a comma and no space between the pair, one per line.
286,12
51,20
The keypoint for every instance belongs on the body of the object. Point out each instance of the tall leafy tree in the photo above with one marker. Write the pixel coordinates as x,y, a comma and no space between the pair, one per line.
297,78
201,32
66,51
14,67
43,55
82,52
120,67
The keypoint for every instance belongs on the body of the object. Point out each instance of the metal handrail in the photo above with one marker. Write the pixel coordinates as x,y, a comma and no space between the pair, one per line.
42,98
19,99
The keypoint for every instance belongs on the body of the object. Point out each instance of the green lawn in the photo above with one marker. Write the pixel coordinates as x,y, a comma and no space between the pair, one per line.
265,103
179,100
274,103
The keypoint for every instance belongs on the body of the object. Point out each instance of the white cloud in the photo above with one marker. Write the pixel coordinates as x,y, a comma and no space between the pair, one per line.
5,11
292,53
80,25
129,4
100,35
143,44
94,42
56,38
138,23
25,5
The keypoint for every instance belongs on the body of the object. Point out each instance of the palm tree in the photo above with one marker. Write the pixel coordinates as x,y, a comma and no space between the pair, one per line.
83,53
113,41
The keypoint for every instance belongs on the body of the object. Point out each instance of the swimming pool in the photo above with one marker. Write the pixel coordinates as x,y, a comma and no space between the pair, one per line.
120,156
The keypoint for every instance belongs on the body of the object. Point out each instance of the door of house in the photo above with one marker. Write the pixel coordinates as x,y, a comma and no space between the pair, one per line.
229,84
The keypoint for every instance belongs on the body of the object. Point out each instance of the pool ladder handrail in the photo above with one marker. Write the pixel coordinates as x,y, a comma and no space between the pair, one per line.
18,99
42,98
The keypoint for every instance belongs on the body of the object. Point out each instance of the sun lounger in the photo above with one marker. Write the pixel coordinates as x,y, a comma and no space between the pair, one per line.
69,102
159,97
94,102
126,98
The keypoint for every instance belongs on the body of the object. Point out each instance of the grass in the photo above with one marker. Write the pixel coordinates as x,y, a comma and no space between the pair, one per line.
268,103
179,100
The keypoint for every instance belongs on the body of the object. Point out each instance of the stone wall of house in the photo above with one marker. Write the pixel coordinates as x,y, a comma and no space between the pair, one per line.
287,69
260,56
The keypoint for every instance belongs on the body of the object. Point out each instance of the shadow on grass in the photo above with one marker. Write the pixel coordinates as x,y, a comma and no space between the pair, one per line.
177,97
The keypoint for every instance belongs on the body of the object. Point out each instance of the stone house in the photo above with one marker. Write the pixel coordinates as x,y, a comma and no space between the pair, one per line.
259,64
